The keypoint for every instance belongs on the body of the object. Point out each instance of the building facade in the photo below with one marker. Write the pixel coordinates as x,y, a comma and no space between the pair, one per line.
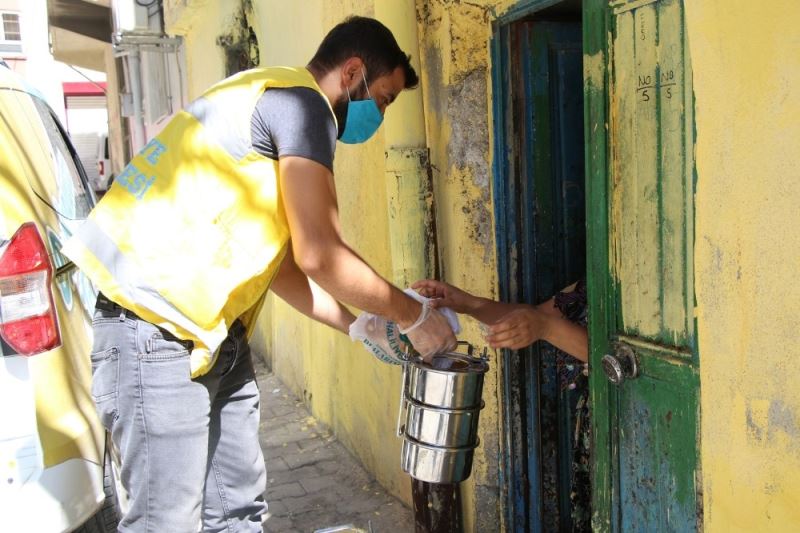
646,143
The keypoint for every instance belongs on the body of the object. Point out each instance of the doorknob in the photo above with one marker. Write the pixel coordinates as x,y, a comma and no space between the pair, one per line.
621,365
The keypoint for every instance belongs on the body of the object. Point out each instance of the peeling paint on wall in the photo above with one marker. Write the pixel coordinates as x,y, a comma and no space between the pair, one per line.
746,65
239,42
454,37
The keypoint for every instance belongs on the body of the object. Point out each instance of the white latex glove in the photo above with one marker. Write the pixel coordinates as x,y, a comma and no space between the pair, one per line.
380,337
449,314
431,333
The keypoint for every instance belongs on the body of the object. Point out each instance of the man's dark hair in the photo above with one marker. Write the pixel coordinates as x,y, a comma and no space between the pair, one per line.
369,40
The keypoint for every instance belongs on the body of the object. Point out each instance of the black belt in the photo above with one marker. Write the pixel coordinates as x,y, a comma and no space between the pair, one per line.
104,304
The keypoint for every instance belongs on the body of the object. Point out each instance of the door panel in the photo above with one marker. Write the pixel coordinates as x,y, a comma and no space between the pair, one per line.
652,182
540,198
657,446
554,257
647,482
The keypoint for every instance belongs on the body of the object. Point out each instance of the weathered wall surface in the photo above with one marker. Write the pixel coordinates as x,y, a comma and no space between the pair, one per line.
445,122
745,69
200,22
456,74
746,72
344,386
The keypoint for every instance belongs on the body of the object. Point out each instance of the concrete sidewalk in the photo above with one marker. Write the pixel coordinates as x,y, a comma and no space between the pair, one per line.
312,480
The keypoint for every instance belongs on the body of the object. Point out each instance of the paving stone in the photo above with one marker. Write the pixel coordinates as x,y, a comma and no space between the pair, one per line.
313,481
275,464
285,490
277,524
330,466
277,508
299,505
280,449
319,483
326,462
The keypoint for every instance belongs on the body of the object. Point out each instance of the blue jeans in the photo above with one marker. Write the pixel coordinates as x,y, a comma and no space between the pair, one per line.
189,449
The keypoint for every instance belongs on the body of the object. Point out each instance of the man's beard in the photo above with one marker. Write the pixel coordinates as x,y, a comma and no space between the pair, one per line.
340,107
340,111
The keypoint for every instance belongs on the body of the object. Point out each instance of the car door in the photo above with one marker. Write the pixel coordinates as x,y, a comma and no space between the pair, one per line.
52,434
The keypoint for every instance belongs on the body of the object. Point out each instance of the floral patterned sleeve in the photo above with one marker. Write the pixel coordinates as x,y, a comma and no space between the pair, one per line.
573,306
573,377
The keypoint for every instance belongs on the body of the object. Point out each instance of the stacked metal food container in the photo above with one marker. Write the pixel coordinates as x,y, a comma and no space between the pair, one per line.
438,420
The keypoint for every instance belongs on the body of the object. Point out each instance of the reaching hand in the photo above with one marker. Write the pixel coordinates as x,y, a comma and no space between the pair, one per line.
431,333
518,329
446,295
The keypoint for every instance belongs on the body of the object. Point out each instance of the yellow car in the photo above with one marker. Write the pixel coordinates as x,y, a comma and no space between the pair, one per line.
54,470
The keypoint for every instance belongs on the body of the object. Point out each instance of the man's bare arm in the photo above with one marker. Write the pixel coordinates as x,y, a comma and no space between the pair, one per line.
321,253
296,289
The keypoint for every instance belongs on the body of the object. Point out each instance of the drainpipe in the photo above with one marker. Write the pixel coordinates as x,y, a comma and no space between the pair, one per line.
412,230
408,175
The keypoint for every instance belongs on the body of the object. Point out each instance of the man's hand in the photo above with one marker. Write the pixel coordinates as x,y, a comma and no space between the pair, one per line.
431,333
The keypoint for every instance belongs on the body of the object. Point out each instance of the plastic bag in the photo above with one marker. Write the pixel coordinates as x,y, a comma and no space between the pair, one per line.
382,337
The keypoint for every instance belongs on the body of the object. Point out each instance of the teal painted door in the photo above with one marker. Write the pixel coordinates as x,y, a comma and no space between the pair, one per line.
542,234
644,362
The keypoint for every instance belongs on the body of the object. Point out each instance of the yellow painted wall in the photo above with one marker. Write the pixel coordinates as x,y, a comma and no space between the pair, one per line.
746,68
456,75
746,73
343,385
200,22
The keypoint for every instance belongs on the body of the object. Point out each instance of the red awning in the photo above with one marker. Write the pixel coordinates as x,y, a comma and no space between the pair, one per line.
83,88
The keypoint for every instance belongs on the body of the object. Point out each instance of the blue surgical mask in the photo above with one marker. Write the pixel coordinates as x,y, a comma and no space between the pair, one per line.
363,118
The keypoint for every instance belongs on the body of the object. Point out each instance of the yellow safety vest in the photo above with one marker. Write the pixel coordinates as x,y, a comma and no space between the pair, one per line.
194,229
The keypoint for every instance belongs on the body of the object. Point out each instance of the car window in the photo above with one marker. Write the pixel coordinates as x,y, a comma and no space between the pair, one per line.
73,200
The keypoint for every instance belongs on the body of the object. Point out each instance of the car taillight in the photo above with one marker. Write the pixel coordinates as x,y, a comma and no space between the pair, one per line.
101,168
28,321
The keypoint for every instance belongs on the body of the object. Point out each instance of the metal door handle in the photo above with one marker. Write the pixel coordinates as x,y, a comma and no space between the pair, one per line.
621,365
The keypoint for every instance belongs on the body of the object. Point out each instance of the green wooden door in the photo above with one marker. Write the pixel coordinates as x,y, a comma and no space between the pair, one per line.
642,237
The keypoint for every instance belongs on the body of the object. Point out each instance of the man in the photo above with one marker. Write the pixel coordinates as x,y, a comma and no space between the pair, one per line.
234,197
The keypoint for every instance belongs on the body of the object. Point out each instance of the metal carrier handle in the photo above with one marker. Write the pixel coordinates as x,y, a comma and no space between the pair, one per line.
470,348
401,428
411,354
471,351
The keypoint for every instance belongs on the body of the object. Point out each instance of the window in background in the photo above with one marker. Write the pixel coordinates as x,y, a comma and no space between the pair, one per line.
10,36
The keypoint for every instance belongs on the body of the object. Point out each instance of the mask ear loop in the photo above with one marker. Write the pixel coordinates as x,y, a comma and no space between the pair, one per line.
366,85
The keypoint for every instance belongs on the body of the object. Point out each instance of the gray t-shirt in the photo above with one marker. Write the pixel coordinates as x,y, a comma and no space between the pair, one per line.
294,121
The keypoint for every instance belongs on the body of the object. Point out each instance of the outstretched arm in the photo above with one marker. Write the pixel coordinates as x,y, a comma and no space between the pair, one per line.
296,289
526,325
483,309
309,196
513,326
